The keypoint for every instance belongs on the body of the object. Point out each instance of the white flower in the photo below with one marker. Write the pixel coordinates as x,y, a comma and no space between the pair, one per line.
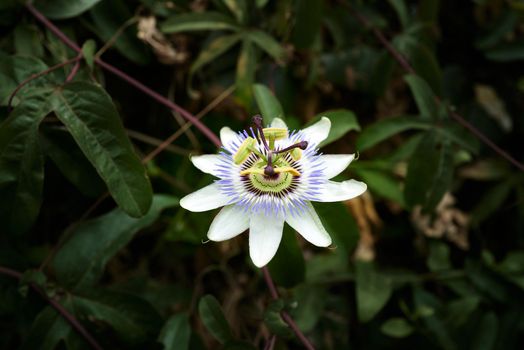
267,177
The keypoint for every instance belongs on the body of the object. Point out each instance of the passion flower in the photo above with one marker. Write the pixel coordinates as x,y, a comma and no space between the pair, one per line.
268,176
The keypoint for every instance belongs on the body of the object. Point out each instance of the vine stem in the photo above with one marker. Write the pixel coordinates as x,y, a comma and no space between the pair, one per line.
38,75
404,63
124,76
57,306
287,318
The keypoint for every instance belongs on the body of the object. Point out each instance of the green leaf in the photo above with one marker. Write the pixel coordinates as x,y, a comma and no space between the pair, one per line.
198,21
60,9
423,95
88,52
239,8
245,74
133,319
421,171
486,332
311,301
108,18
459,311
69,159
82,259
382,183
373,290
442,177
267,44
396,328
14,70
28,40
22,163
384,129
491,201
176,332
308,20
91,118
438,258
273,319
268,104
213,50
213,318
342,121
507,52
401,10
287,267
48,329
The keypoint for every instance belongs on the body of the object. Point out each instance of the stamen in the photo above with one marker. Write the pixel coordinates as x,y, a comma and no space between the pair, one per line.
302,145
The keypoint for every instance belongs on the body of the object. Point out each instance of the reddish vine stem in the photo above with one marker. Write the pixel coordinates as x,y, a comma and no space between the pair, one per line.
124,76
36,76
58,307
404,63
75,69
287,318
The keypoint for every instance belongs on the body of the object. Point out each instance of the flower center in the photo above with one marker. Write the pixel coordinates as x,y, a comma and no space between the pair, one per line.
268,170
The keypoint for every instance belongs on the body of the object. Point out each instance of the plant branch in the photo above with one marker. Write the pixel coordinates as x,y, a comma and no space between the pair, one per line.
130,80
289,320
58,307
404,63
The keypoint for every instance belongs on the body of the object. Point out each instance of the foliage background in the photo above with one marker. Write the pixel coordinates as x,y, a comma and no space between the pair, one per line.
431,257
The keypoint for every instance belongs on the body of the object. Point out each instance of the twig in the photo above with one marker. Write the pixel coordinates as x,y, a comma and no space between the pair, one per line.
289,320
58,307
35,76
115,36
404,63
271,343
132,81
75,69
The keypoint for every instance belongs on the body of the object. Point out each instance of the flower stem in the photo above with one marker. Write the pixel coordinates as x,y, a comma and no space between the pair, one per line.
132,81
58,307
287,318
404,63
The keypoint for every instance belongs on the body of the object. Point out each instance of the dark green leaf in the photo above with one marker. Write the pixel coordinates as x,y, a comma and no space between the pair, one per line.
60,9
384,129
382,183
213,50
239,8
342,121
311,301
308,22
459,311
491,201
267,103
69,159
442,177
245,74
486,332
133,319
28,41
423,95
438,258
507,52
88,50
91,118
22,163
287,267
198,21
110,19
213,318
273,319
401,10
373,290
266,43
81,260
176,332
397,328
14,70
421,170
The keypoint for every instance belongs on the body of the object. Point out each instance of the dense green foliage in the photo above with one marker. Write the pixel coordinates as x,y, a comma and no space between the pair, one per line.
432,256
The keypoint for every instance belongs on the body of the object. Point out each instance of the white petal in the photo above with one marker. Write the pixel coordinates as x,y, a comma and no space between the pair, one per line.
334,164
278,123
208,163
227,136
205,199
318,132
308,224
265,234
341,191
231,221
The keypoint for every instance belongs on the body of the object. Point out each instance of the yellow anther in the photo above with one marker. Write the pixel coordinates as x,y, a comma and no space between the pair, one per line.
244,150
287,169
275,133
296,153
252,171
